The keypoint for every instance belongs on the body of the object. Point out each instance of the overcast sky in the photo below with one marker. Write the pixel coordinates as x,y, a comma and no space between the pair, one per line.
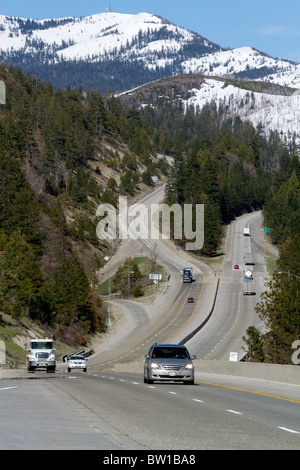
271,26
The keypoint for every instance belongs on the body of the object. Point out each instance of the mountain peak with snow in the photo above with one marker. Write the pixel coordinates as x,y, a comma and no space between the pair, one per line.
120,51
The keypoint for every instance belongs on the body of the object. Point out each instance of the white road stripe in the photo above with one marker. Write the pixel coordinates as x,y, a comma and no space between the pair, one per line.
7,388
288,430
234,412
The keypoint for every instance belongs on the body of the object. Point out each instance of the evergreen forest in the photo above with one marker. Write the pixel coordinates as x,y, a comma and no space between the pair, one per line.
62,153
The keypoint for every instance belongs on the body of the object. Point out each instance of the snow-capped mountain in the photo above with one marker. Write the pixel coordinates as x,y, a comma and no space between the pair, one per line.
106,50
97,37
123,51
120,51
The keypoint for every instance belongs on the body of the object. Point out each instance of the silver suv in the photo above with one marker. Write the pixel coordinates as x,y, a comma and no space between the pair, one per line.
169,362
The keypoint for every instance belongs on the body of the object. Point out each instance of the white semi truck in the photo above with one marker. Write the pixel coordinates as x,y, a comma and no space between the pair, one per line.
41,355
247,232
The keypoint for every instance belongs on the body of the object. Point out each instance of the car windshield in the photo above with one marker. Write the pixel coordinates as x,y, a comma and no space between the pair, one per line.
170,353
77,358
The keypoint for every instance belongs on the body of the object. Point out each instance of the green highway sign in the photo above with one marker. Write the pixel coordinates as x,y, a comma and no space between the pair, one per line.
267,230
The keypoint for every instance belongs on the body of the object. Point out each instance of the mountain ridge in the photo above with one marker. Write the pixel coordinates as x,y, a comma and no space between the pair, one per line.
119,51
115,52
269,107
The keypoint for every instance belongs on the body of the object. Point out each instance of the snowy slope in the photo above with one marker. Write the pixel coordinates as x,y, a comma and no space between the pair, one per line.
96,36
269,106
243,60
273,112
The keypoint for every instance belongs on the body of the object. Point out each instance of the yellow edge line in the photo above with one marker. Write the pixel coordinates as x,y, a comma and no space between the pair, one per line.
239,389
248,391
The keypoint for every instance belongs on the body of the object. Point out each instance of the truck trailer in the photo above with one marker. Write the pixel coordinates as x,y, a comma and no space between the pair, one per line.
248,259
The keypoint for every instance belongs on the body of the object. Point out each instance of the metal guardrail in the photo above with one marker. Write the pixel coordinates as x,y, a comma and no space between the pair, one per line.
79,353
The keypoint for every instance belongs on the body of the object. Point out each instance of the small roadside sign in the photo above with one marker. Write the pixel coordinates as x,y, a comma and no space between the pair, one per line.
233,357
156,277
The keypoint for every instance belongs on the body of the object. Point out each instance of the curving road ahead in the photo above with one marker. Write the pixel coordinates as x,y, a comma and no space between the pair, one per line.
171,319
110,410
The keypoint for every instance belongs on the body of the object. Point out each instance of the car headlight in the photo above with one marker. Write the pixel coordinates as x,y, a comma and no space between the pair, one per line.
154,365
52,357
189,366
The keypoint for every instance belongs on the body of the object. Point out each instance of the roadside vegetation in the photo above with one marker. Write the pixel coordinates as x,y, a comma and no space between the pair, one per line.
62,153
132,279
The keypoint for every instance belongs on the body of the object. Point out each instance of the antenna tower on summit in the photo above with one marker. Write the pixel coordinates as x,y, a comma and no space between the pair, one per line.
109,8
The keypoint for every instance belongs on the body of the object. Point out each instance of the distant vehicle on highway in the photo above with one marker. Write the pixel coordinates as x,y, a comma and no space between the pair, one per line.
77,362
248,259
248,292
248,274
187,275
236,266
190,300
169,362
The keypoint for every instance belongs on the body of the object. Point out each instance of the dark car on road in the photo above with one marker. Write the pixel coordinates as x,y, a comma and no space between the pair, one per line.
169,362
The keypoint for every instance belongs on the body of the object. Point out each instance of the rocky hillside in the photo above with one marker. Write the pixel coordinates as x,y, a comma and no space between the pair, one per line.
61,155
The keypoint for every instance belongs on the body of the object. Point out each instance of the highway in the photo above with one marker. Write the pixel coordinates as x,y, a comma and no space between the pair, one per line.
117,411
234,312
112,409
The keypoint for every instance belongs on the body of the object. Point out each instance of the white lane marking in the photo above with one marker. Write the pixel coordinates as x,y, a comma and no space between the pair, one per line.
7,388
235,412
173,393
288,430
197,400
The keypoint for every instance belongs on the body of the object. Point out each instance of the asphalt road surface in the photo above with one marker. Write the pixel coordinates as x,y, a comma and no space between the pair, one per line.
117,411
